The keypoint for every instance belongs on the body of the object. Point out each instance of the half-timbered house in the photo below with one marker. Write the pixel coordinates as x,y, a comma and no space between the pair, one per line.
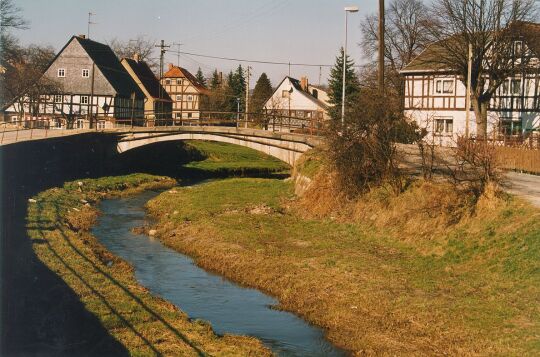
435,95
185,91
90,86
158,104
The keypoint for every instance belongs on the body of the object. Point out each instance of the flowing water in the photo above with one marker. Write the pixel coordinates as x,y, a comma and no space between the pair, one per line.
173,276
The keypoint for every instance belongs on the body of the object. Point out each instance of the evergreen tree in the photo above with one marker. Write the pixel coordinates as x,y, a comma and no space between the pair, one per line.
214,81
200,77
262,91
335,83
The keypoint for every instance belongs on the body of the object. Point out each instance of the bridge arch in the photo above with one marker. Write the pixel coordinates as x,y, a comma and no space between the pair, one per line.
285,147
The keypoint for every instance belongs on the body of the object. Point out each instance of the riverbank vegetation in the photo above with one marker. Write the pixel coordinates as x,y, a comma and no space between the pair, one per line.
416,273
58,223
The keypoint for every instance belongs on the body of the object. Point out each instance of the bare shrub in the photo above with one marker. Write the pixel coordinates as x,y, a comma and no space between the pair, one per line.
363,150
476,166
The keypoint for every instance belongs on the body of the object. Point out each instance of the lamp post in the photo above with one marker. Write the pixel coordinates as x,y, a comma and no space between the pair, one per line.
347,10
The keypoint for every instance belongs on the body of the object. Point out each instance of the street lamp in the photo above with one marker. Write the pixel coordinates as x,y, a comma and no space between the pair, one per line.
347,10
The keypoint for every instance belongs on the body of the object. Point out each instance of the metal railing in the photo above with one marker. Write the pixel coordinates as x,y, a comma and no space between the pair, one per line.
30,128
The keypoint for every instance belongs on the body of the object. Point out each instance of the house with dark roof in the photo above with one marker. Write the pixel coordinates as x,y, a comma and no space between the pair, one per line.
91,86
158,103
185,91
434,95
297,104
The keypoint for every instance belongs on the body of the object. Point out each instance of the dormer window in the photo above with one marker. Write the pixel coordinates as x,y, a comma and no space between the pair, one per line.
61,72
444,86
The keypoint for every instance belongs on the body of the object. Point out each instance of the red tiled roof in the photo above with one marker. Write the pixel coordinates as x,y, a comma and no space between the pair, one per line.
179,72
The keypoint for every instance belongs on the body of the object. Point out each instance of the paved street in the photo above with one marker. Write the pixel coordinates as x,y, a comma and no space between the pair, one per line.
524,185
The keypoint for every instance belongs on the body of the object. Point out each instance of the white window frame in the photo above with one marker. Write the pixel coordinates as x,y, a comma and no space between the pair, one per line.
167,82
179,82
442,81
189,98
58,98
85,73
518,48
178,97
85,99
445,121
61,72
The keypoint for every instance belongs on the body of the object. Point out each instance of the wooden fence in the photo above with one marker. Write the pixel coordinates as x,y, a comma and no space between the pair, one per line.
519,159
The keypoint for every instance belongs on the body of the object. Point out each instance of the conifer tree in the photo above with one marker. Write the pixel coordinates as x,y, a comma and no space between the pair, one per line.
261,93
352,85
214,81
200,77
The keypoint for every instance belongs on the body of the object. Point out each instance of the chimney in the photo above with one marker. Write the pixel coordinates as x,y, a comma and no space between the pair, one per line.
220,78
136,57
170,66
82,36
304,83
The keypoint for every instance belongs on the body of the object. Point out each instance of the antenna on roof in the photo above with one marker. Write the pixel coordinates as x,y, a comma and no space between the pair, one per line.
177,44
90,14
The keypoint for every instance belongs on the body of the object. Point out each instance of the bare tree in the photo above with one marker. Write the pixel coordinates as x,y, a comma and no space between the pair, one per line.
10,16
406,36
141,46
24,83
491,27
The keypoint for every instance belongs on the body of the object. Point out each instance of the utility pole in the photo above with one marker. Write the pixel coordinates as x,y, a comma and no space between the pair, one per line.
246,116
381,46
90,14
177,44
162,48
468,94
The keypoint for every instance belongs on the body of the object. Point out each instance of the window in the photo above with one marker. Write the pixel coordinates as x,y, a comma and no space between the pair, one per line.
101,124
85,73
189,115
178,81
178,97
444,86
58,98
61,72
189,98
84,99
285,93
444,126
178,115
515,85
510,126
316,94
518,47
168,82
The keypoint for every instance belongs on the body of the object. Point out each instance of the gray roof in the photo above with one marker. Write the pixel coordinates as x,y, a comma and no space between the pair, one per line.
107,62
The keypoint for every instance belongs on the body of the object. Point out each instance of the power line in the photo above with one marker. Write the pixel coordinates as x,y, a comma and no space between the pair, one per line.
254,61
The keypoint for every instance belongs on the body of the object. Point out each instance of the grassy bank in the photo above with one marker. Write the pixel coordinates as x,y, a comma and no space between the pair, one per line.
58,222
383,283
223,160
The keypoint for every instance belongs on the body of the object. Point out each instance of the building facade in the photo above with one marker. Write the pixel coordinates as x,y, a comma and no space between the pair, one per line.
185,91
435,98
89,85
297,105
158,104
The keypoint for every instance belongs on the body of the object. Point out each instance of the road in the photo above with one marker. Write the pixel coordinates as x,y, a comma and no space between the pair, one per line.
524,185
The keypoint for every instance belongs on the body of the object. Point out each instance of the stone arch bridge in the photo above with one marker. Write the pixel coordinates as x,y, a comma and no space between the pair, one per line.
286,147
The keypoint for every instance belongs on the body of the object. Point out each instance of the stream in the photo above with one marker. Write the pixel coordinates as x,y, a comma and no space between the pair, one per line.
230,308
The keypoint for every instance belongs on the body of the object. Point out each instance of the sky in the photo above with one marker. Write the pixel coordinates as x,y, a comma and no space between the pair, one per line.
296,31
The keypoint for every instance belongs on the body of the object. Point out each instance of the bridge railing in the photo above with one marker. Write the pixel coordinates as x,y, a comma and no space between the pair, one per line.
28,128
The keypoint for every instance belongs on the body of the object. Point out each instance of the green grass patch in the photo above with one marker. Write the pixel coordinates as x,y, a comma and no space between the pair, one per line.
223,159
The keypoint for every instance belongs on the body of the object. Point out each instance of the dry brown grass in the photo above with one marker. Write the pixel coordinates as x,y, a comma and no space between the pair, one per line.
374,288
